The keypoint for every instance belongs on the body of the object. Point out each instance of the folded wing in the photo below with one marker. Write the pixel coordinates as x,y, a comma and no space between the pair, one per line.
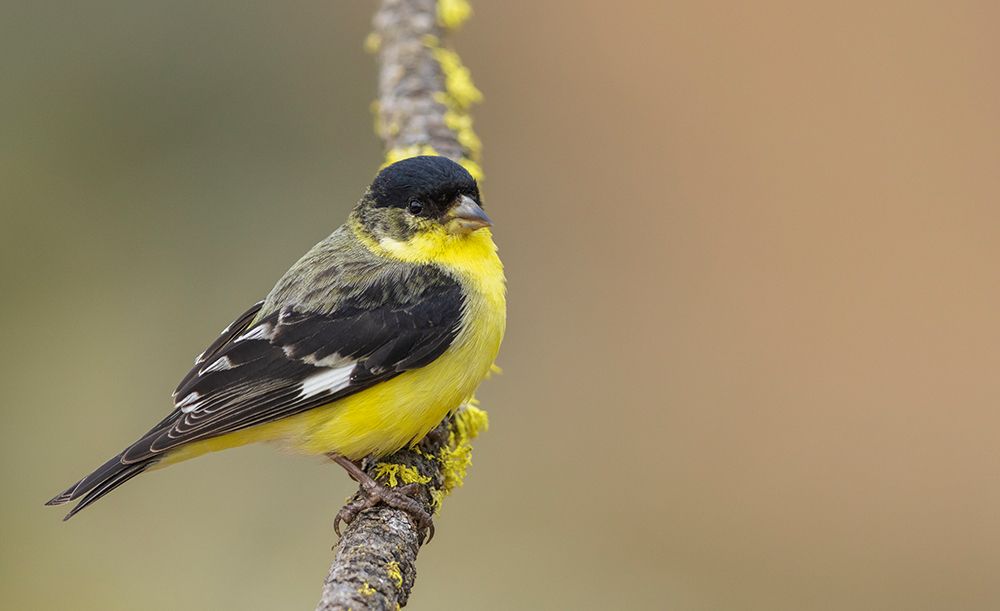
293,360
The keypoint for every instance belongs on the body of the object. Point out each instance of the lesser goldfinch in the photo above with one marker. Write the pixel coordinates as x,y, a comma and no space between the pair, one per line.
360,349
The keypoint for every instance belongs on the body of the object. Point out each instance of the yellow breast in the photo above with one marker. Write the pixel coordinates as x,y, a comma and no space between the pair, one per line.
392,414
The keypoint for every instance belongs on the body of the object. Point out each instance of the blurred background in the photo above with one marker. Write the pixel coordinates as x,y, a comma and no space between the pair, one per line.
754,291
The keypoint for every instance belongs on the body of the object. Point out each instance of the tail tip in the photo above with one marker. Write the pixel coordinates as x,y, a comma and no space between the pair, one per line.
63,497
58,500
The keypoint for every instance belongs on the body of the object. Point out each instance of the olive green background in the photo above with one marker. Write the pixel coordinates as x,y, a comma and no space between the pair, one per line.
753,348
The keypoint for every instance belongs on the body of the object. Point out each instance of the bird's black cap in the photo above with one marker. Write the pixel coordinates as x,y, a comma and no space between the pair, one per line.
427,178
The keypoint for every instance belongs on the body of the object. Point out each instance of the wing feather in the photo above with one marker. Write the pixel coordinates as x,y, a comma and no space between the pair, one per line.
265,368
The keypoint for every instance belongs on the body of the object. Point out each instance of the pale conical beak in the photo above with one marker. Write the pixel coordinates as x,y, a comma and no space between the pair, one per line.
467,216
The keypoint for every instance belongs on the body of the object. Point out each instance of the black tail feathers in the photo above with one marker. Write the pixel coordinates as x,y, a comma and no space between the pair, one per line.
106,478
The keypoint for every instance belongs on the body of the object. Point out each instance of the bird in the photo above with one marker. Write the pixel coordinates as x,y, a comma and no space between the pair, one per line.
361,348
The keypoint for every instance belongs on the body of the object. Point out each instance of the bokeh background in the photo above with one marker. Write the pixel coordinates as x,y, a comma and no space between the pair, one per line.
754,293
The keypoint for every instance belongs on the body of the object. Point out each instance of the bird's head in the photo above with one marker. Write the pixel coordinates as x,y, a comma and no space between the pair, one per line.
421,200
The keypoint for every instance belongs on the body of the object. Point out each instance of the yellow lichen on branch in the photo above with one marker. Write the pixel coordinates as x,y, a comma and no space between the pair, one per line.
395,474
405,152
456,456
392,570
452,13
457,95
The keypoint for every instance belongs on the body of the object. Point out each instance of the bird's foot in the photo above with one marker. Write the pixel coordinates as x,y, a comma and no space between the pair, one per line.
372,493
401,498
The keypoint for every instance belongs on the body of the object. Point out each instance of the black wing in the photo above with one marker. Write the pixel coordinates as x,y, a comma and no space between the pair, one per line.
265,368
291,361
115,472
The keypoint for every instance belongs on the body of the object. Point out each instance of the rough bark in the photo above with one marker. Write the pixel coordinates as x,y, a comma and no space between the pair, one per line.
409,76
375,562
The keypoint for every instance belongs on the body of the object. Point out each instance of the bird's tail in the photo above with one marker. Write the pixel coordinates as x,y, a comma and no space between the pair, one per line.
106,478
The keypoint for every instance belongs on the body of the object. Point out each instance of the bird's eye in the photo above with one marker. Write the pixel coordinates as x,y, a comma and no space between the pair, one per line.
415,207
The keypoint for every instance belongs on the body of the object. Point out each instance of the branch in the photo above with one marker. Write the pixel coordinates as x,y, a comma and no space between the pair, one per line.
424,95
375,562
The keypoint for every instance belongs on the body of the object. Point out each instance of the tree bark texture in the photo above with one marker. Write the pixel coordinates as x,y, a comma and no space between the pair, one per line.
374,566
409,115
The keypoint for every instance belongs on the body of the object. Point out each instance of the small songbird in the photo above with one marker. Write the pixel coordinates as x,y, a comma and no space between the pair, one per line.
360,349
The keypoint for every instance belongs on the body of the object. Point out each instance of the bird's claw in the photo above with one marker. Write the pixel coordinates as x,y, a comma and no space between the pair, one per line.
401,498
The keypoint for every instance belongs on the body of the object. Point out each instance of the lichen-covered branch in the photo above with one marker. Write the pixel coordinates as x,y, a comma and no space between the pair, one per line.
424,96
424,91
375,562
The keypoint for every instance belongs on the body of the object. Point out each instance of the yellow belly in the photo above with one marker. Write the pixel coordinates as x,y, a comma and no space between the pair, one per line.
400,411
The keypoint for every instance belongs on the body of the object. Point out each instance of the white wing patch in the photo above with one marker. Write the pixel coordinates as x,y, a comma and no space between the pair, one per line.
189,403
260,332
329,380
334,360
220,364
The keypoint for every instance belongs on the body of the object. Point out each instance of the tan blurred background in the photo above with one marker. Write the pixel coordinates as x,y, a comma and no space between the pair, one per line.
753,260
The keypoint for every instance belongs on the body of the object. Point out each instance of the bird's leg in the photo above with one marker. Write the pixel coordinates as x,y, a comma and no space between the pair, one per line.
373,493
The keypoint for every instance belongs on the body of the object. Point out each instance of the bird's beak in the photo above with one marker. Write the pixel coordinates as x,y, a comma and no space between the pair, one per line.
467,216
